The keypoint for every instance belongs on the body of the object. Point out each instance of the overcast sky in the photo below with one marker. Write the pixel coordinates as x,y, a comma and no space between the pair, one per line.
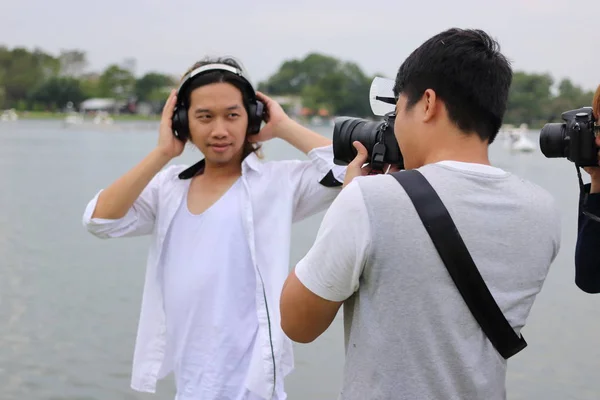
554,36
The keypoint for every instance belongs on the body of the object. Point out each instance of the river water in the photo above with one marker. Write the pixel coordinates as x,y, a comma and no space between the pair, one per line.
69,302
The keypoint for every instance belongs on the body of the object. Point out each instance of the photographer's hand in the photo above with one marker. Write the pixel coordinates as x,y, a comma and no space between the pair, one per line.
357,166
595,172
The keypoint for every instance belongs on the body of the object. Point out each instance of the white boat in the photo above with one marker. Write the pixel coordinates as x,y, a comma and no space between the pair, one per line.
73,119
515,139
9,115
521,143
103,118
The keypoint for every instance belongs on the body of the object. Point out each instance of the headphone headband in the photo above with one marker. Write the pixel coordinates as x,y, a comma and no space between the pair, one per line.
211,67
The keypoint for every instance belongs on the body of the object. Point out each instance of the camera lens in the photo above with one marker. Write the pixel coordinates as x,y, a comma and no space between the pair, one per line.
552,140
348,130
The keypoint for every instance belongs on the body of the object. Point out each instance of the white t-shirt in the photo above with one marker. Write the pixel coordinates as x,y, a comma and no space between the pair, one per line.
408,332
334,280
209,290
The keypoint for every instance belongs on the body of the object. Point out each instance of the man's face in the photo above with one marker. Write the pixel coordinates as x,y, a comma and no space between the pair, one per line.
406,130
218,122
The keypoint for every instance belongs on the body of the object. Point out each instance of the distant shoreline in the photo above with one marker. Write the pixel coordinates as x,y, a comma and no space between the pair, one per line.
48,115
32,115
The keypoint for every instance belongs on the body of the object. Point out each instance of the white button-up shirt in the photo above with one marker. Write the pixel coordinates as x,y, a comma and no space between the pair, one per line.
276,194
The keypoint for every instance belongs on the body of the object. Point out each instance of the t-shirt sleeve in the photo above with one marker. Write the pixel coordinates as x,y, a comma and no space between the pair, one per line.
332,267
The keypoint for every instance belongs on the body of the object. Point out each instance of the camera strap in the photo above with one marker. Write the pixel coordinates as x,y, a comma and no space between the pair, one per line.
460,265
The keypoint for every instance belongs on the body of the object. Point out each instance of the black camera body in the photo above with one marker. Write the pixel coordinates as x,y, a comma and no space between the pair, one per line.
377,137
573,139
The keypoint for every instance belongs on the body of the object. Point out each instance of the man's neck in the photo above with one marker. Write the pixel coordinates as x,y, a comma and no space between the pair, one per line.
468,149
227,171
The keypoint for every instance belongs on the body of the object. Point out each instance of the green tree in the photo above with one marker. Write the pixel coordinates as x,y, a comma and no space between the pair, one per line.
2,91
90,85
116,82
529,98
56,92
72,63
153,86
353,91
294,75
323,82
34,79
569,97
23,71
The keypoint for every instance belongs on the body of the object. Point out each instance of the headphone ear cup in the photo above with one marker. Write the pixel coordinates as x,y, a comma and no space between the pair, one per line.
255,116
179,123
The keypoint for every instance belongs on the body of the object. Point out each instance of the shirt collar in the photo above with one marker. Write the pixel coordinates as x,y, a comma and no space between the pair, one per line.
251,161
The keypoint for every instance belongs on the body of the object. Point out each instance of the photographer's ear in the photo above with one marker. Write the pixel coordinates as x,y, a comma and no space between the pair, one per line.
430,106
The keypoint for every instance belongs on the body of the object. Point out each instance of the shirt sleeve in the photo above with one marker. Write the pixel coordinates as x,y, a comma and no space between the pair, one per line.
310,194
332,267
139,219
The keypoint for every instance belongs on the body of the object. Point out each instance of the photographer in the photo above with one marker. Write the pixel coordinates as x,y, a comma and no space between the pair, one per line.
408,332
587,249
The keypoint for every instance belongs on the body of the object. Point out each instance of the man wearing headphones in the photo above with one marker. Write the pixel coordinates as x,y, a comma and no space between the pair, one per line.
220,236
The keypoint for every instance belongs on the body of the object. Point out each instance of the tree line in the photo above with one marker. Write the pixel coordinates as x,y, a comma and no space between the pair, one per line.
342,88
39,81
36,80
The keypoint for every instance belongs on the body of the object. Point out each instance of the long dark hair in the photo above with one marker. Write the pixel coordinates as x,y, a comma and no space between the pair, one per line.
219,76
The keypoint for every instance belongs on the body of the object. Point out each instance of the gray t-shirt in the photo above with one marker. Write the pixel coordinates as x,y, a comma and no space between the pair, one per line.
408,332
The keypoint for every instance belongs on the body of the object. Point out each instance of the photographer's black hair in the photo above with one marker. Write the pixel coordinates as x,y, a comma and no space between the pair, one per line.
219,76
467,72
